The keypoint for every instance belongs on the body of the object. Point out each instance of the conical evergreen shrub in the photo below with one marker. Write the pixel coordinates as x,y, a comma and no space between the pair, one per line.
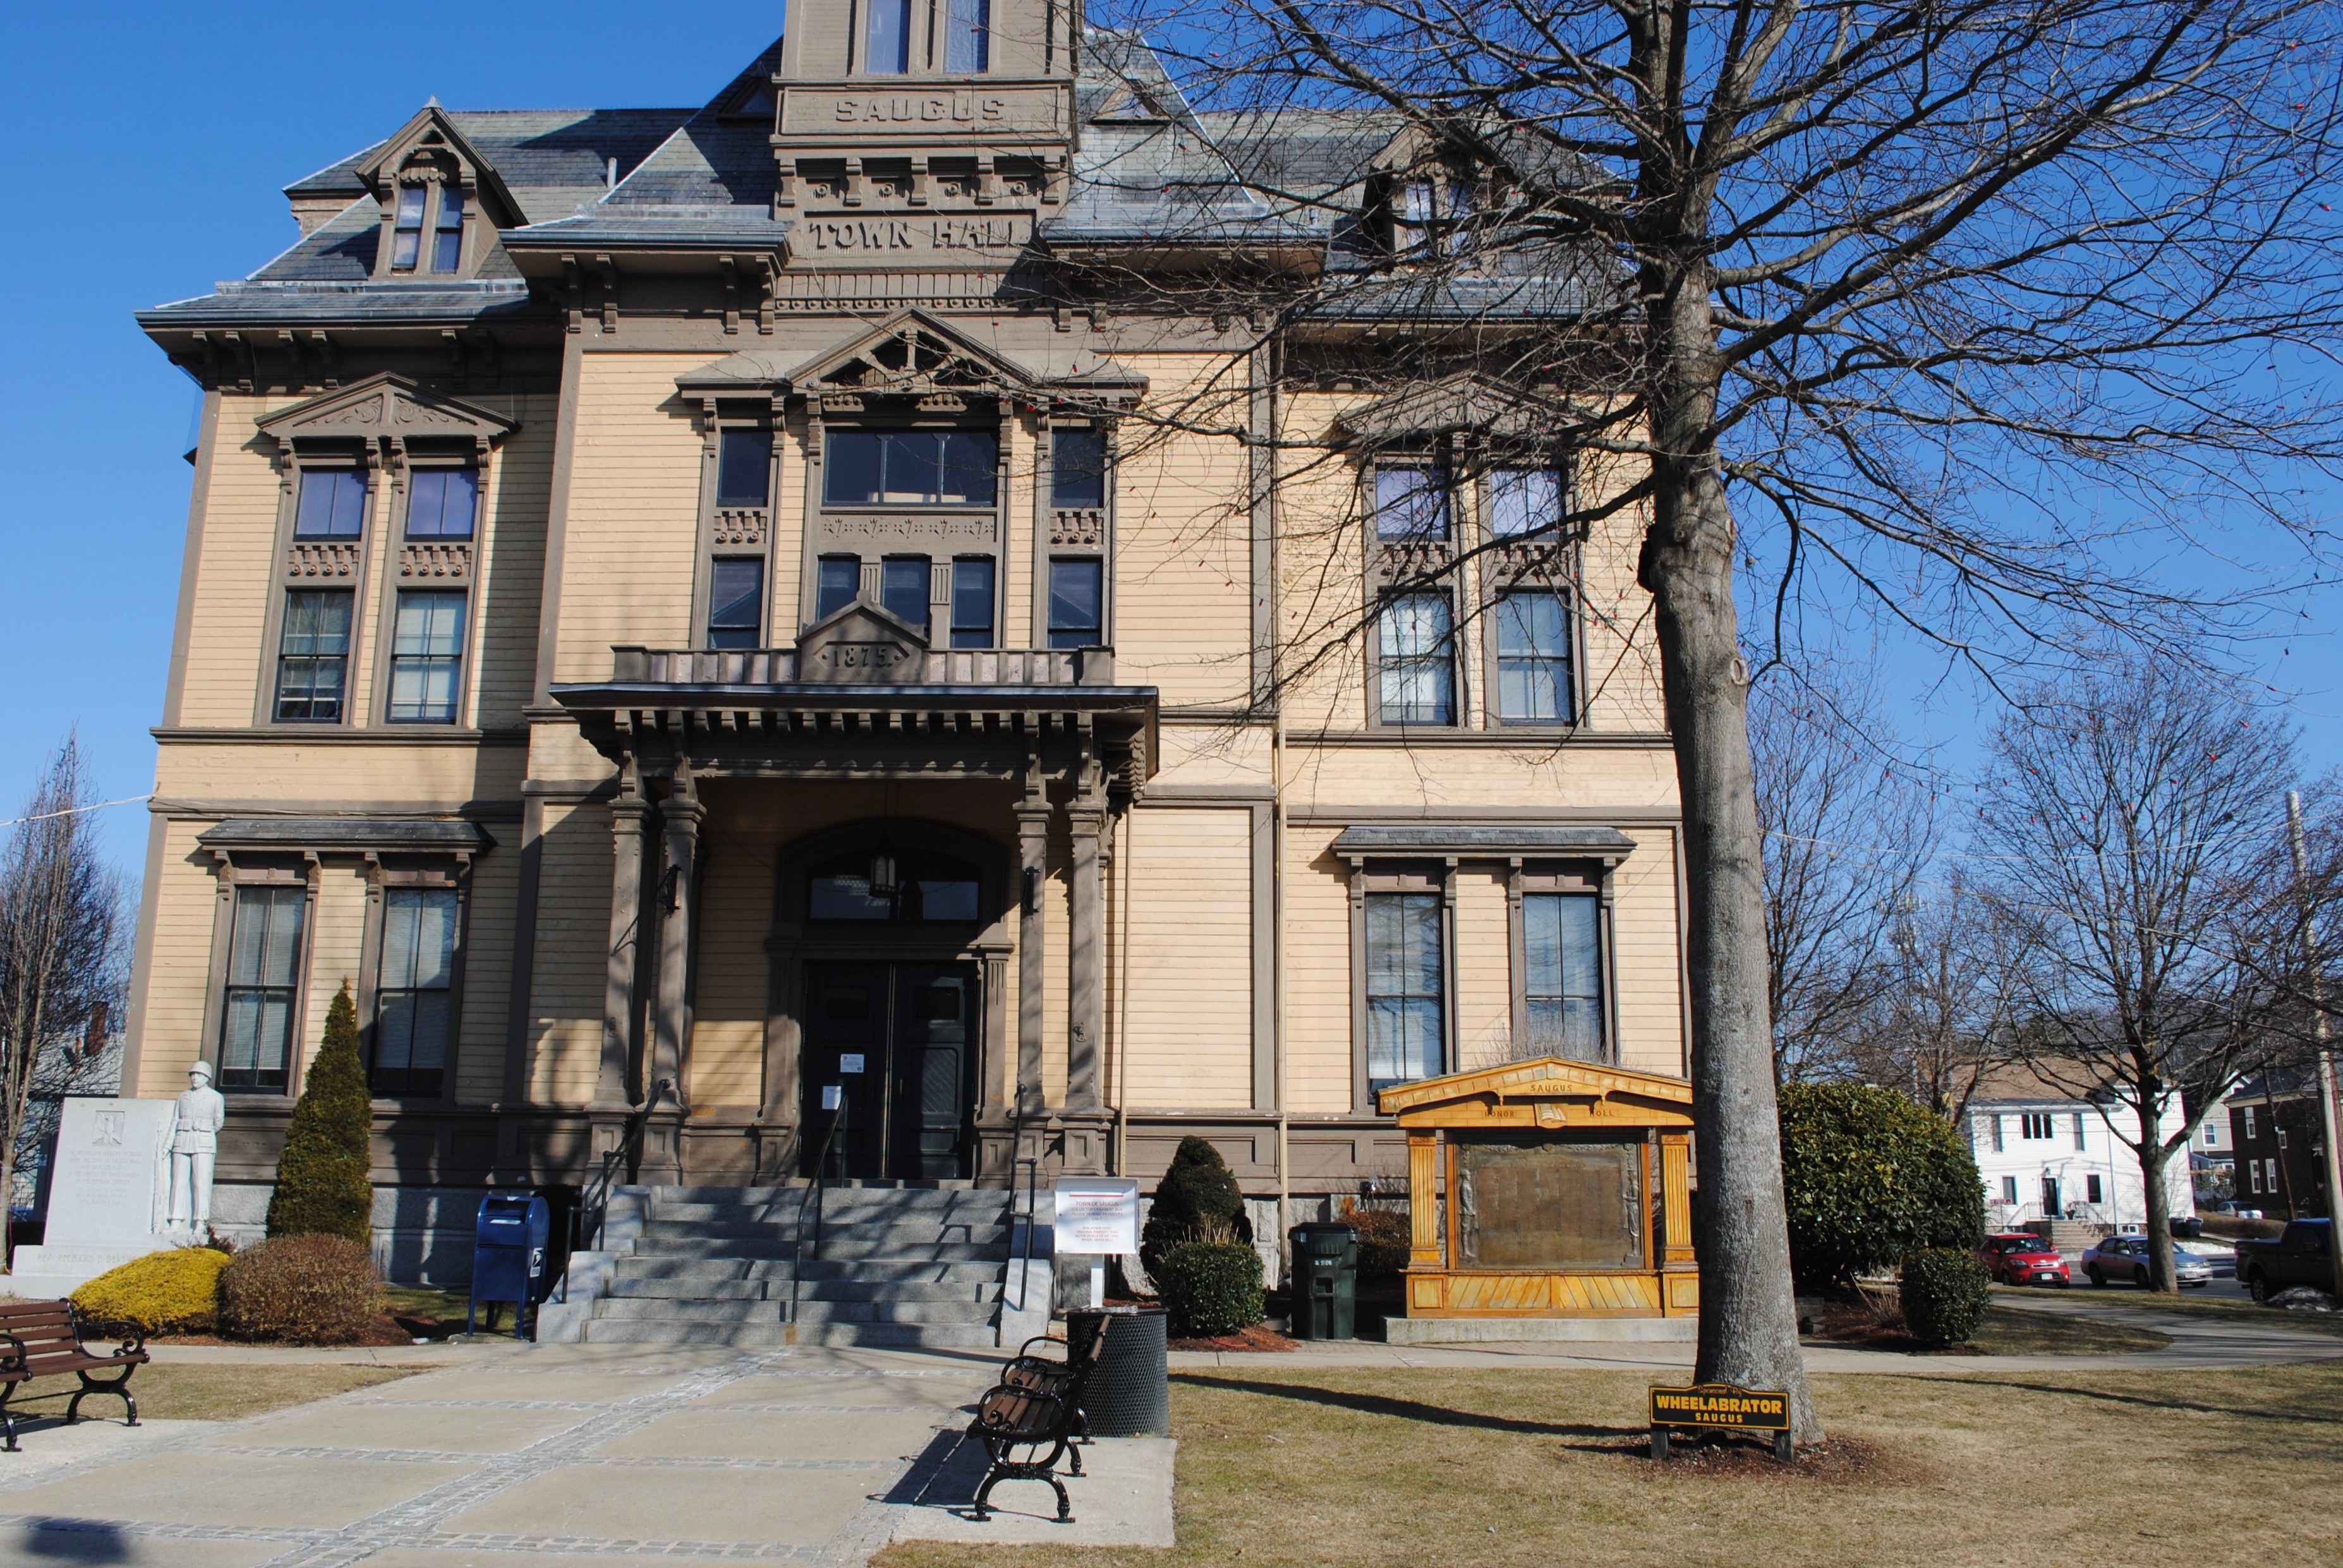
1196,1200
323,1178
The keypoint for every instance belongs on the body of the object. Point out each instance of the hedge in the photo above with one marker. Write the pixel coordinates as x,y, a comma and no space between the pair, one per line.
1944,1291
308,1290
1208,1288
172,1292
1196,1200
1868,1176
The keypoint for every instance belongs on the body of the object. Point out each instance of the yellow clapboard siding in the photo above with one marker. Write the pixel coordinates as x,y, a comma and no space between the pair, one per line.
1190,946
1649,958
1485,970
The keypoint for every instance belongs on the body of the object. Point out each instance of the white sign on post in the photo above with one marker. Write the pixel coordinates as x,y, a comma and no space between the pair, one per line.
1098,1215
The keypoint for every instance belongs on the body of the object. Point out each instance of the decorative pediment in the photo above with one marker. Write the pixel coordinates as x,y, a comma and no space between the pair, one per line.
912,354
430,147
862,644
389,408
753,373
1548,1091
1467,404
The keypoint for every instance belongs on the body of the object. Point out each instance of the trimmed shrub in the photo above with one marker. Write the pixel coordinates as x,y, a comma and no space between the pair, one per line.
1208,1288
1197,1196
172,1292
324,1176
1386,1239
309,1290
1868,1176
1944,1291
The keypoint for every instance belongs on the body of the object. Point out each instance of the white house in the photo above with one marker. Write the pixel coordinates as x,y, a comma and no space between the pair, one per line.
2045,1156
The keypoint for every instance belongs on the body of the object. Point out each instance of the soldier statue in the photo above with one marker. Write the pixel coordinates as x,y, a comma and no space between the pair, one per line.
194,1141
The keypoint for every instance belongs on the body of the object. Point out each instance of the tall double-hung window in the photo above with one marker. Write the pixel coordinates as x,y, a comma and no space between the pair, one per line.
412,1012
1416,659
1406,990
427,657
264,979
1561,979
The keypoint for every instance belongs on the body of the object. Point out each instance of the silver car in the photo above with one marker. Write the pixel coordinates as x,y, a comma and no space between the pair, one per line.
2127,1258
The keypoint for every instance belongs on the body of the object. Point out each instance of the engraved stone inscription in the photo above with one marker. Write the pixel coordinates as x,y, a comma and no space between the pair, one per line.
941,110
914,236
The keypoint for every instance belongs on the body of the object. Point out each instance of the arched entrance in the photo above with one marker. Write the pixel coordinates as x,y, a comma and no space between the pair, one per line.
890,1000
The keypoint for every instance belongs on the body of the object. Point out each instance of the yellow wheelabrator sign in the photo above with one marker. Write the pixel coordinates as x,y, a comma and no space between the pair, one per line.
1720,1405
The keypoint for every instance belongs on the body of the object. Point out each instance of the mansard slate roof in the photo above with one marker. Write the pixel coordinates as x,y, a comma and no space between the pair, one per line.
1150,172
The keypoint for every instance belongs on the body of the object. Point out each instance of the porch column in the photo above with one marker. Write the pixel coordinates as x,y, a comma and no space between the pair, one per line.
681,812
1085,1120
629,813
1032,975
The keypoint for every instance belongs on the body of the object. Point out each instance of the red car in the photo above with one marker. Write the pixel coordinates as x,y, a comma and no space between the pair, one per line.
2023,1258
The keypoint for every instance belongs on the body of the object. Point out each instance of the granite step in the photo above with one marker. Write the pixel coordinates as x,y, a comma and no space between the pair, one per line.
985,1288
772,1336
622,1308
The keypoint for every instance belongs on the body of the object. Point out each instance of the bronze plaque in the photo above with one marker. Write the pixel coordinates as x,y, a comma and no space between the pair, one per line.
1538,1203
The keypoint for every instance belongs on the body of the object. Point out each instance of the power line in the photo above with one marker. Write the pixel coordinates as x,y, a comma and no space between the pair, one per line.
77,810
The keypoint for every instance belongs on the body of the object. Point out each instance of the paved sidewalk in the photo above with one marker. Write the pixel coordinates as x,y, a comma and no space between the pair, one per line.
567,1455
2197,1345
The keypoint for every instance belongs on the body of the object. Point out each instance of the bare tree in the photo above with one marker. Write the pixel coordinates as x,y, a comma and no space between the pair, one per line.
61,951
1954,977
1847,833
2158,916
1961,300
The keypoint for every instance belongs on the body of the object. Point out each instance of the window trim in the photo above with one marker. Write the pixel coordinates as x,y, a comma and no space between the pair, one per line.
734,533
1527,878
1074,533
386,641
1399,876
301,870
320,564
1459,696
872,534
449,872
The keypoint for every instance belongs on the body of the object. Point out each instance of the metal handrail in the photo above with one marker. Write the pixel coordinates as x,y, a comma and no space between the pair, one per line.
1022,1250
596,1196
812,1196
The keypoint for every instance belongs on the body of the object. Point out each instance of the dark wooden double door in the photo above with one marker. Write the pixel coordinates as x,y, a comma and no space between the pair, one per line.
889,1057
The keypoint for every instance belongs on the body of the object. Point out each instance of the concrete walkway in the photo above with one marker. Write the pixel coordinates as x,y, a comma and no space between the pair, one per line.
2199,1344
536,1458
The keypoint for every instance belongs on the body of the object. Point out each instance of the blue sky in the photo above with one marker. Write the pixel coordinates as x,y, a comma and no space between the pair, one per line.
161,137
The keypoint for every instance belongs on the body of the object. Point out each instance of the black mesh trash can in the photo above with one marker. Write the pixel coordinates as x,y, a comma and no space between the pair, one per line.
1324,1286
1129,1392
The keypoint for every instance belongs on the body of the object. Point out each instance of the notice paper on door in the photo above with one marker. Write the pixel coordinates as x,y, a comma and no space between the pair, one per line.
852,1063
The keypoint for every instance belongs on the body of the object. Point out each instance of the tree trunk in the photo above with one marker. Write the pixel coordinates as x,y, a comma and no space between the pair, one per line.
1748,1318
2153,1158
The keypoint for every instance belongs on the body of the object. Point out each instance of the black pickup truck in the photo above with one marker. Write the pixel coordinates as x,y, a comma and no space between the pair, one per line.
2299,1255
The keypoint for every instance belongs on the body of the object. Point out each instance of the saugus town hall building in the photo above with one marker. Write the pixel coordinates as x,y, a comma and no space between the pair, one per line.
734,622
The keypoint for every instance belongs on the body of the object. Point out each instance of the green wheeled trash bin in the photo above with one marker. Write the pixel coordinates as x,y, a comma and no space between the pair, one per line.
1324,1286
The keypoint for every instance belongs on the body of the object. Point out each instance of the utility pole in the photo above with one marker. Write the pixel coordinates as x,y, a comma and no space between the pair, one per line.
2327,1117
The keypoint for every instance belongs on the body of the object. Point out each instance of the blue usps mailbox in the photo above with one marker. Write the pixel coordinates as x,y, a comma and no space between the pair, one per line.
510,1262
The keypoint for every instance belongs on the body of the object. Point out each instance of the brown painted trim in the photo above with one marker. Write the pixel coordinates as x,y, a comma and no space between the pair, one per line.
180,808
1522,738
1263,819
1331,816
1200,795
557,517
174,686
523,967
333,735
1261,515
141,957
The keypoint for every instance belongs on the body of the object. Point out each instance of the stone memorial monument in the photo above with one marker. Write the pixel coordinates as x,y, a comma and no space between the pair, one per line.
107,1199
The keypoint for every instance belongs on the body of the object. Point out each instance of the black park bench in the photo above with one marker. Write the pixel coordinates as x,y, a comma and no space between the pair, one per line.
45,1339
1030,1418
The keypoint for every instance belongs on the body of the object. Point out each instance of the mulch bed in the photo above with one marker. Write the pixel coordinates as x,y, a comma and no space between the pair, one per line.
1259,1337
1854,1324
386,1329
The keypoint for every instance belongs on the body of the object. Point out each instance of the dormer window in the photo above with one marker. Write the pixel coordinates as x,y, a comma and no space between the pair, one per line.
443,219
1428,216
